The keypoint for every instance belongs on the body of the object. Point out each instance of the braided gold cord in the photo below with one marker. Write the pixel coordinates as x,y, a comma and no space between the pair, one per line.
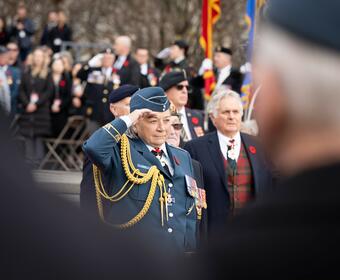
135,177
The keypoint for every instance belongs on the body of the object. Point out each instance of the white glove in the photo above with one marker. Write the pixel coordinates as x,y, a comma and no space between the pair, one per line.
163,53
206,65
96,61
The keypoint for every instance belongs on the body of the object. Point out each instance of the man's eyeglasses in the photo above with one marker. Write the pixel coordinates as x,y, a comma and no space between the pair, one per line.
177,126
180,87
13,50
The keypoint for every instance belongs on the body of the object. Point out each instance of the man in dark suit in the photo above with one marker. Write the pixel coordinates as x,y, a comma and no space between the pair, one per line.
225,74
294,232
234,168
125,66
149,76
176,87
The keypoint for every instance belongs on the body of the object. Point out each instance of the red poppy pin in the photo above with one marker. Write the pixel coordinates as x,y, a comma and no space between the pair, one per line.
176,160
195,120
252,149
62,83
126,63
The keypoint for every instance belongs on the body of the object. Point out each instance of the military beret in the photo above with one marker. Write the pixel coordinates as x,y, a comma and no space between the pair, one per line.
182,44
3,50
152,98
172,79
122,92
224,50
312,20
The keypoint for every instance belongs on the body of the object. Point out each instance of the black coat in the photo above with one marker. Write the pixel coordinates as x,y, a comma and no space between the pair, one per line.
292,233
130,72
61,91
195,122
151,79
206,150
36,123
233,81
57,35
96,94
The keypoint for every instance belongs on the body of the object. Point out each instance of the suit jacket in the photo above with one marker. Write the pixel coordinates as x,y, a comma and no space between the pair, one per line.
179,232
195,122
207,151
292,233
130,72
151,79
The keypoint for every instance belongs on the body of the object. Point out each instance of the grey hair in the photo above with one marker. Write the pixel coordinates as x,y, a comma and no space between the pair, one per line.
218,96
310,75
125,40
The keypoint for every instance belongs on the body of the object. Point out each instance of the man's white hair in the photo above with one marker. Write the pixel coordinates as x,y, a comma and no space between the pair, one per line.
310,75
124,40
219,95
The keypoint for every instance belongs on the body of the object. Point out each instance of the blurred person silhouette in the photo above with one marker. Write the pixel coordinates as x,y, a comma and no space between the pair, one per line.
292,233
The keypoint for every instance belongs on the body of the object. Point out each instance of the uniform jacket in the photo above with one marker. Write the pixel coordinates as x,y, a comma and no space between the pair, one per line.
96,94
207,151
179,232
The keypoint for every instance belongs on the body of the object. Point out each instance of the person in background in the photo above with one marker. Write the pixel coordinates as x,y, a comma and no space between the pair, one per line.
59,33
4,32
225,74
100,80
52,21
176,87
35,95
13,55
125,67
149,75
234,166
61,96
22,31
5,83
77,107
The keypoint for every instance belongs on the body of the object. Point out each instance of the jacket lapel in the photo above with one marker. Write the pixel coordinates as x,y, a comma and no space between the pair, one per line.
255,164
190,125
216,157
144,151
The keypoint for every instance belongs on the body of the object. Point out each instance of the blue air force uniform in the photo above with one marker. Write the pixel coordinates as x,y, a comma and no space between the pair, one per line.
104,149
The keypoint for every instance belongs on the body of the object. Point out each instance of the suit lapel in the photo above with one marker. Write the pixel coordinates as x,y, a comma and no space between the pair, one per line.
144,151
254,161
190,125
216,156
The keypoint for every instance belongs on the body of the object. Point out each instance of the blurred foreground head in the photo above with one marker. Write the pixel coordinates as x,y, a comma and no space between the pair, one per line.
297,64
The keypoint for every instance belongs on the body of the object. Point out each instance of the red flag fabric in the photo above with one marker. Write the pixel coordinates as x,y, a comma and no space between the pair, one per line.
211,11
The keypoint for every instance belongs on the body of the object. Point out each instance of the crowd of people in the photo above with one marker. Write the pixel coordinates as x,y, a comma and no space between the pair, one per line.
42,85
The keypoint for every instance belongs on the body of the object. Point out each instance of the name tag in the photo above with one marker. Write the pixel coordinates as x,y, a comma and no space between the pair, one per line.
143,166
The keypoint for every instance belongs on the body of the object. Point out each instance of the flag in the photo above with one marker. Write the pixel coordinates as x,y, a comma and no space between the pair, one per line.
211,11
252,7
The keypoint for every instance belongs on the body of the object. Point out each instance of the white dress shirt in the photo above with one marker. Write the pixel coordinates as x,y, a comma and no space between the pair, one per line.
165,157
119,62
224,142
144,69
184,120
223,74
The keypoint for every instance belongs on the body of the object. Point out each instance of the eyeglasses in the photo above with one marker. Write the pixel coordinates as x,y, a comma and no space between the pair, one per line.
177,126
12,50
180,87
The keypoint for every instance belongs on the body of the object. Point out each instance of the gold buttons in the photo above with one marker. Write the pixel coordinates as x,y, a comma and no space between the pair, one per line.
104,100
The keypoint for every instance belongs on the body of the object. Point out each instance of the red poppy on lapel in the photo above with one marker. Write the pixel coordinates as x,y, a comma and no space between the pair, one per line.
114,70
195,120
62,83
252,149
126,63
176,160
